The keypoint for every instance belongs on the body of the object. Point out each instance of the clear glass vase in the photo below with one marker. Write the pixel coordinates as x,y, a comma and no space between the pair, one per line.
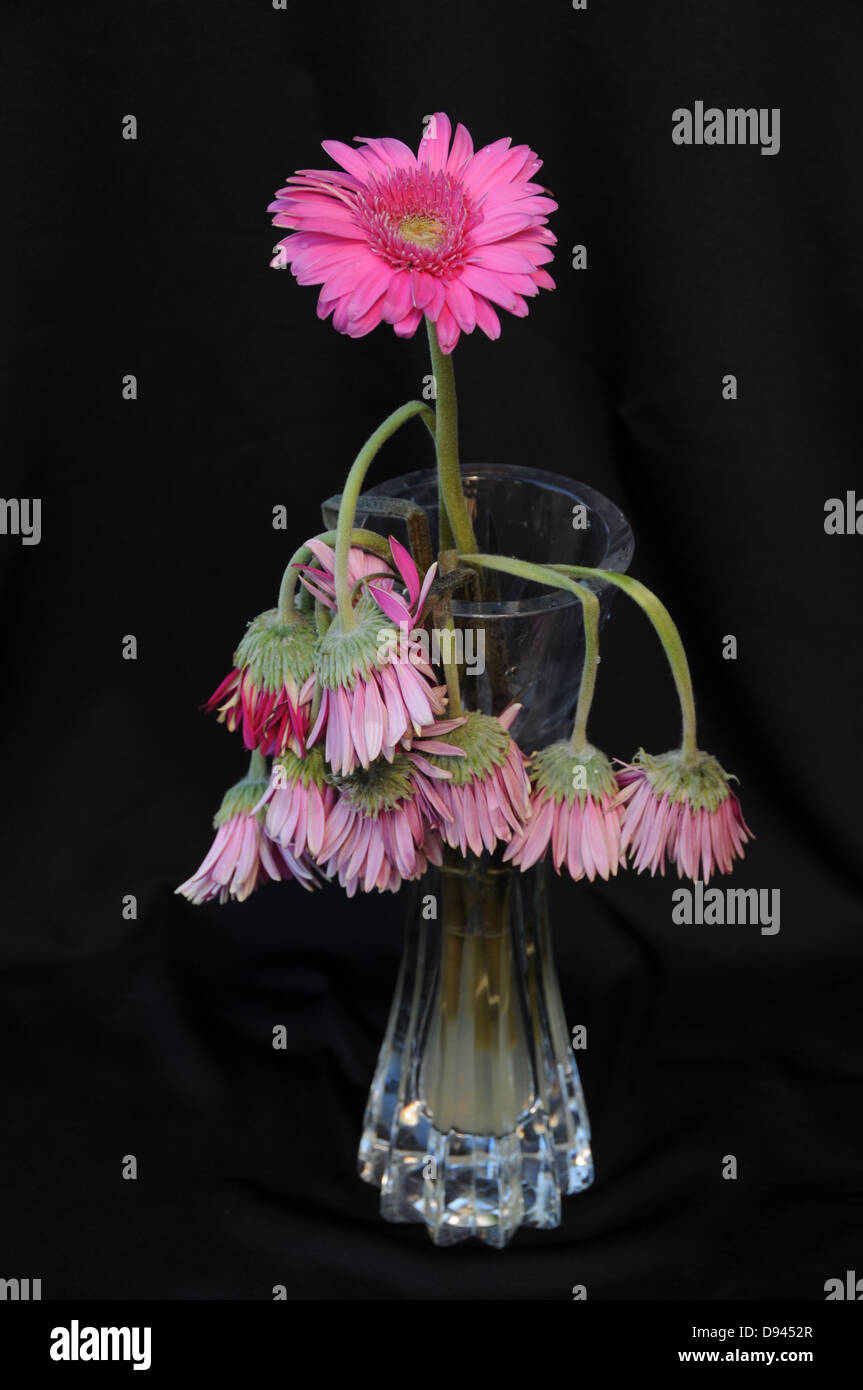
476,1123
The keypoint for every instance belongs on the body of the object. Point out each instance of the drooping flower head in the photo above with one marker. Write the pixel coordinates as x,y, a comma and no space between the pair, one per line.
298,800
375,690
573,813
392,235
685,812
241,857
487,798
377,836
269,689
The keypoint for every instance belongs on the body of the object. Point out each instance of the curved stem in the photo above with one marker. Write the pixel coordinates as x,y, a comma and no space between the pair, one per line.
546,574
350,494
663,623
366,540
446,445
672,643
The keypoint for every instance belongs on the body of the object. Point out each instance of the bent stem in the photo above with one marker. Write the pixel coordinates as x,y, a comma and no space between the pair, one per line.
546,574
351,492
366,540
446,447
672,644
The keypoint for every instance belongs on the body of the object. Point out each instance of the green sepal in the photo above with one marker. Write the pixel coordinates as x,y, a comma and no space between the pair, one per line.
343,657
702,783
554,770
484,743
379,787
276,653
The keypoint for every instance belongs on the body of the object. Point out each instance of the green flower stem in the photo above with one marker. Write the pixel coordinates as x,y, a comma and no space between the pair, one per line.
367,540
450,670
257,767
672,643
446,446
350,495
545,574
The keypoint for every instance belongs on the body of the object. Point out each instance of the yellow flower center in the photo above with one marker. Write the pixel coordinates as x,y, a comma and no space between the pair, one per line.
422,230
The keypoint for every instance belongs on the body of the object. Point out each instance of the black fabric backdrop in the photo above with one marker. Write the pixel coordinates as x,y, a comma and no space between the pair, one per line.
153,1037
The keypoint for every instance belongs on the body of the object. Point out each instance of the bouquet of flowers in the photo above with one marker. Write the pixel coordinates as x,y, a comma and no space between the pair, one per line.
364,763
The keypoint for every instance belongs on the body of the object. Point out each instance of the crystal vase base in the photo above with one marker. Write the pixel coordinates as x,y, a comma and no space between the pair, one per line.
476,1123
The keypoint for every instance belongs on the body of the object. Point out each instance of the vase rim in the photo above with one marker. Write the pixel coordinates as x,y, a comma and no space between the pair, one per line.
620,538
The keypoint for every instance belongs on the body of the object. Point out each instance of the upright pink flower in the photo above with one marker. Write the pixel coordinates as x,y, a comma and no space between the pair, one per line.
241,856
374,691
269,690
390,235
573,813
686,812
487,798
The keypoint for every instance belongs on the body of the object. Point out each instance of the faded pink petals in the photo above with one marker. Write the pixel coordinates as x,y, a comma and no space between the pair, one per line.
271,720
240,858
584,837
378,852
484,811
297,816
697,841
320,579
371,719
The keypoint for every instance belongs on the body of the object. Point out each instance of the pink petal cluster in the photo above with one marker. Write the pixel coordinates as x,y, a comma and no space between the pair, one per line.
271,719
298,815
696,840
240,858
320,580
378,853
370,717
583,835
391,236
487,809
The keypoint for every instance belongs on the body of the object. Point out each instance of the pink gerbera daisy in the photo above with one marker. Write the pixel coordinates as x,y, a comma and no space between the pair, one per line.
573,814
378,835
392,235
681,810
487,798
269,690
375,691
241,856
299,801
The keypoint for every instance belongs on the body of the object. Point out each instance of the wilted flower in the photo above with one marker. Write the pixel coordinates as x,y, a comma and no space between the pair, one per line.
446,233
487,797
377,835
371,698
241,856
684,811
299,800
269,689
573,813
